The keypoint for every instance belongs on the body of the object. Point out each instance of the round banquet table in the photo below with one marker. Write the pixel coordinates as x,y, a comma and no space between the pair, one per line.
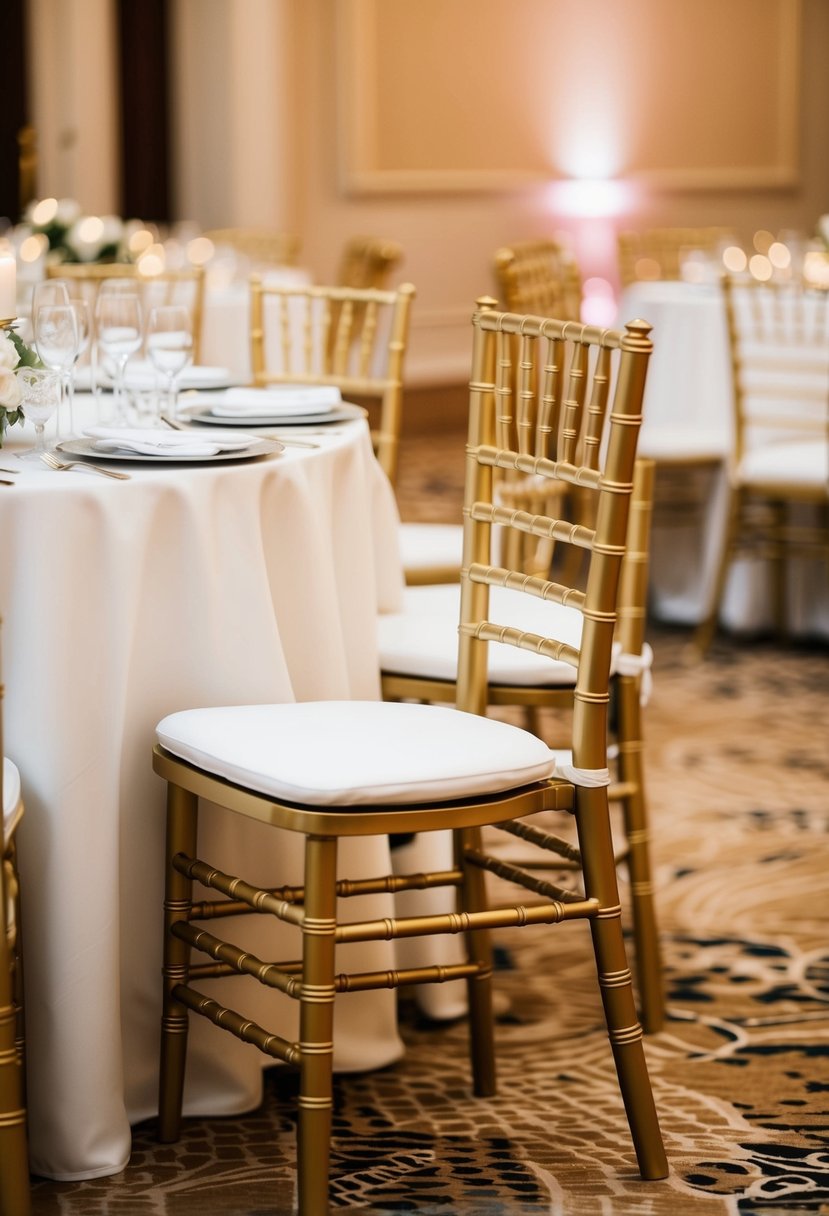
123,601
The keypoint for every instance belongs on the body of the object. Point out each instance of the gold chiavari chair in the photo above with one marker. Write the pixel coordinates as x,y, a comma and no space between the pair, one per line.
418,661
329,770
779,342
14,1159
183,286
351,337
539,277
656,253
368,261
262,246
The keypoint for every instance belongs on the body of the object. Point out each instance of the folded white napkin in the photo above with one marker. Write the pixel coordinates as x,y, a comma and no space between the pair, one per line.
271,402
148,441
140,374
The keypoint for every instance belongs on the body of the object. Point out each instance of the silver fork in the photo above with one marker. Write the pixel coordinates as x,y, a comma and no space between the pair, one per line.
65,465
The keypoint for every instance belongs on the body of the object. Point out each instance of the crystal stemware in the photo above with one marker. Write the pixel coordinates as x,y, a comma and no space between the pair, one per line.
56,339
40,394
118,321
170,347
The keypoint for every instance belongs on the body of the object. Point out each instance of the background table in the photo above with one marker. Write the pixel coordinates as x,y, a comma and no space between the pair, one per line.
688,408
122,602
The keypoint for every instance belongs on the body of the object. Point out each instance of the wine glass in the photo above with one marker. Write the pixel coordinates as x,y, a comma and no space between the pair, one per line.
118,320
49,291
40,394
170,347
56,339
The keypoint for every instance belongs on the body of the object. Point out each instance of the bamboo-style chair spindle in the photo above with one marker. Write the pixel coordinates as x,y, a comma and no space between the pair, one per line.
352,338
15,1195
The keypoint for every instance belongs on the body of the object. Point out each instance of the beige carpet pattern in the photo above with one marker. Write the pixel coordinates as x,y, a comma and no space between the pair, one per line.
738,764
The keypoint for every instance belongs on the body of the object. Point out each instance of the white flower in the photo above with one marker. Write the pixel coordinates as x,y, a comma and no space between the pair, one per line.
9,389
9,358
68,211
113,229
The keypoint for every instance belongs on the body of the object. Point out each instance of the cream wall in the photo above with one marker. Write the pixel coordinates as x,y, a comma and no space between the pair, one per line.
289,113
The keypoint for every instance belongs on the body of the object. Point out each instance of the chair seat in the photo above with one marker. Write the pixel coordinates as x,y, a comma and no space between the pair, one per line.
357,753
684,445
12,801
804,463
430,546
422,639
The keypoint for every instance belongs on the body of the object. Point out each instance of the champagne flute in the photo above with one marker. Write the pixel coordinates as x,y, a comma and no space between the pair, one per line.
56,339
40,394
118,319
170,347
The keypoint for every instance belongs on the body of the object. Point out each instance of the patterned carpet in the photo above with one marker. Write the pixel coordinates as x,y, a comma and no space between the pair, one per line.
738,762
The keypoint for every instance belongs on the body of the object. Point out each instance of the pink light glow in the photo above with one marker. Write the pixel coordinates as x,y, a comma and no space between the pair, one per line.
583,198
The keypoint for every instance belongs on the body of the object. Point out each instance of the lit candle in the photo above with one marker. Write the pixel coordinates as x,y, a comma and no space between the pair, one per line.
8,289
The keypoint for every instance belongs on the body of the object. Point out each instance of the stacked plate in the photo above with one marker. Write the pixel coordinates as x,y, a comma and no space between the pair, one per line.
279,405
162,444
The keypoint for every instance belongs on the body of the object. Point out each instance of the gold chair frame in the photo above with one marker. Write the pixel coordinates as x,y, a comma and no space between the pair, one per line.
351,337
655,253
313,907
15,1196
92,275
539,277
368,262
263,246
761,315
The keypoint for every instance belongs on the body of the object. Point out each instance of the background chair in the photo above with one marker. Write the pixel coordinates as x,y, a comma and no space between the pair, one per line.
540,277
183,286
261,246
352,337
779,473
14,1160
368,261
395,767
418,661
658,253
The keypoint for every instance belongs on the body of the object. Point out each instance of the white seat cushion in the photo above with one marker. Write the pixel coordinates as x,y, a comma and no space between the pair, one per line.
431,546
803,463
684,443
12,801
422,639
356,753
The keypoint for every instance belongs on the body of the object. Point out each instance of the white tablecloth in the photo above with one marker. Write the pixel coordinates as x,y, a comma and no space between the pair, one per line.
688,409
122,602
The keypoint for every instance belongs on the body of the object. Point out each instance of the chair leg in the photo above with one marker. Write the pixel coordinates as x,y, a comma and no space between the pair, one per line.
182,822
316,1026
779,510
14,1170
472,898
624,1031
634,810
707,626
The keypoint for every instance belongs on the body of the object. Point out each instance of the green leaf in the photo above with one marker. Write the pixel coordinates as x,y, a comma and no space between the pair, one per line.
28,357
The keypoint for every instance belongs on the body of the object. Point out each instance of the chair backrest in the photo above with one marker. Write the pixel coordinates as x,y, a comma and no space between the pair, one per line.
779,343
183,286
656,253
262,246
633,586
350,337
568,414
539,277
367,261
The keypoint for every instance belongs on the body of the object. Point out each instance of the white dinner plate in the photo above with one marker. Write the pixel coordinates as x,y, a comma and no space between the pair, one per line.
88,449
341,413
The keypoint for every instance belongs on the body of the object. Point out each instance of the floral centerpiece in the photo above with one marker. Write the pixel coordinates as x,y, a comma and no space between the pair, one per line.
74,237
14,354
